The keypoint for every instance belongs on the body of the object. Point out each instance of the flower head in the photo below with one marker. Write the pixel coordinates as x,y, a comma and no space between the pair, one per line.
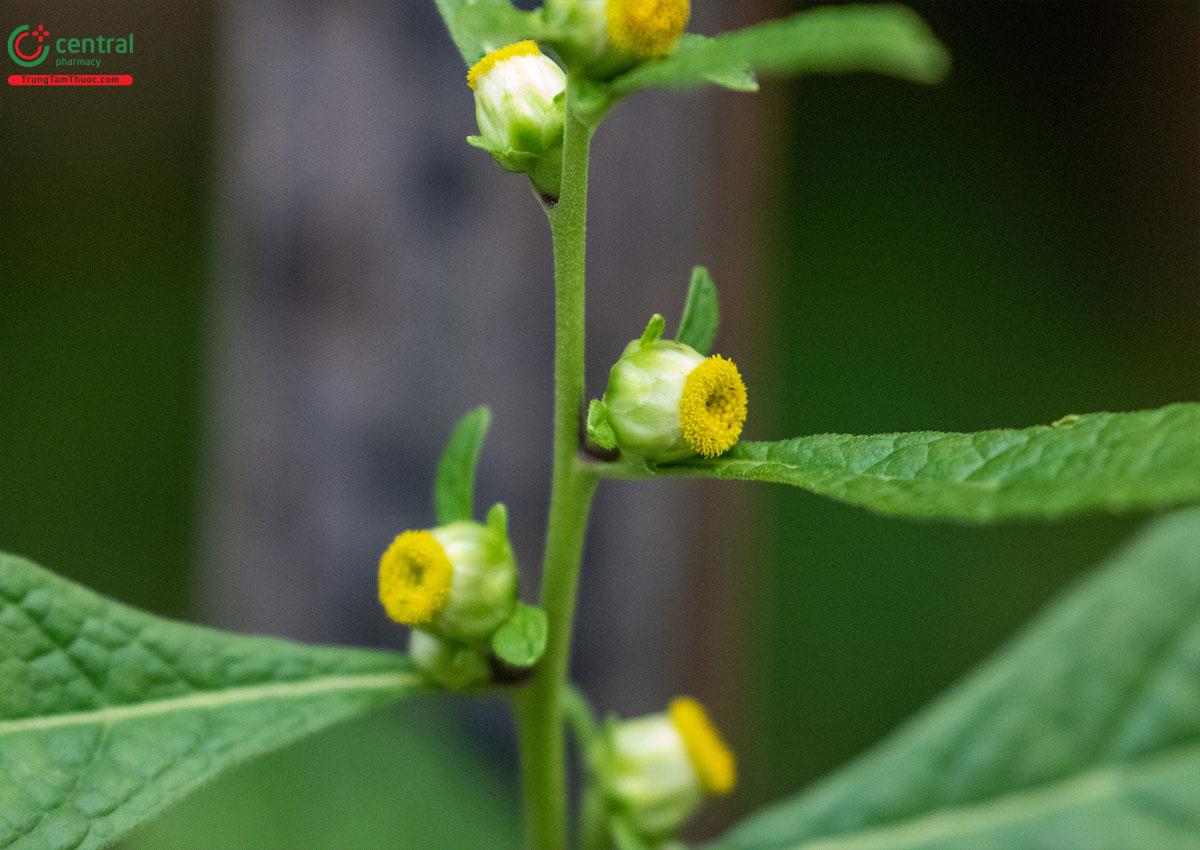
657,769
414,578
646,28
521,110
603,38
457,581
712,407
666,402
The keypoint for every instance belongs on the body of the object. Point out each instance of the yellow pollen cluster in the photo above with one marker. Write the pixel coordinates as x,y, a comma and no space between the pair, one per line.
480,69
707,750
414,578
646,28
712,408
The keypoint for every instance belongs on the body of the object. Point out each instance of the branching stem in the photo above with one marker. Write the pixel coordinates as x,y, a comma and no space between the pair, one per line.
539,704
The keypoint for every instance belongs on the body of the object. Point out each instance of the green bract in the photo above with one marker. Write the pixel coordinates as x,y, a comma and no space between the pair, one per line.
483,590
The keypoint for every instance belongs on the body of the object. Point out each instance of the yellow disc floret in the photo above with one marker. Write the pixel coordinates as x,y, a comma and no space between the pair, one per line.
414,578
646,28
707,750
712,408
480,69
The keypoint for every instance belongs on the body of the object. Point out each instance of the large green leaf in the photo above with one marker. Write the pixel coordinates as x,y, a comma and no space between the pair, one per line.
454,482
1083,733
1098,461
108,714
831,40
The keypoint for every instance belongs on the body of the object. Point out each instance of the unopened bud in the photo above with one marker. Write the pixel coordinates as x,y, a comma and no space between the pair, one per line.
606,37
658,769
520,106
665,401
458,581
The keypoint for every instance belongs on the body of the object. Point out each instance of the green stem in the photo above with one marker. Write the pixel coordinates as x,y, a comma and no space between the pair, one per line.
593,814
539,704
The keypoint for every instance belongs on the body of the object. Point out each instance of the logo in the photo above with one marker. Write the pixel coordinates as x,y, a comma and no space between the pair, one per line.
30,47
27,46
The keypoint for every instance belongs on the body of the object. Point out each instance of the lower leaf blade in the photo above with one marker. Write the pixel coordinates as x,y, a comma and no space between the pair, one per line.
108,714
1097,461
1083,733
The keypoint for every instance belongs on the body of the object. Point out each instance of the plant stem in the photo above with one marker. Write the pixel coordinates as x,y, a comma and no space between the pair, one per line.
593,816
539,703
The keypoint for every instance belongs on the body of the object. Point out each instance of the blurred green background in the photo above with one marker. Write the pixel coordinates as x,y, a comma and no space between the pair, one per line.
1017,244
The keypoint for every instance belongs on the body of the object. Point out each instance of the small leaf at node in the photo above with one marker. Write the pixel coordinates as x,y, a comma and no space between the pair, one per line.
521,641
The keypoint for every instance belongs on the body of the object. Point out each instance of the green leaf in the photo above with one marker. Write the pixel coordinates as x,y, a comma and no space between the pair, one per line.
599,430
454,482
827,40
698,327
480,26
1083,733
108,714
522,640
1097,461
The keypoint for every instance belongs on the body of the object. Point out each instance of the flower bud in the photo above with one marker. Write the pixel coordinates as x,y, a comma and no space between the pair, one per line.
665,401
450,664
658,769
457,581
607,37
520,106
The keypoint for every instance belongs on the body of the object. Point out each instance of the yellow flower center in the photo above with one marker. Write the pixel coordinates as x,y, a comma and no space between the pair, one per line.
646,28
480,69
712,408
414,578
707,750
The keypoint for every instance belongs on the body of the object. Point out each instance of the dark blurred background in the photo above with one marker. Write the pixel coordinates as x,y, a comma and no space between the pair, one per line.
243,302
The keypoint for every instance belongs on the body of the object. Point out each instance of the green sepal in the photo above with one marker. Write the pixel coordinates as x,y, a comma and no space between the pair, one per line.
599,431
454,482
698,327
521,641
